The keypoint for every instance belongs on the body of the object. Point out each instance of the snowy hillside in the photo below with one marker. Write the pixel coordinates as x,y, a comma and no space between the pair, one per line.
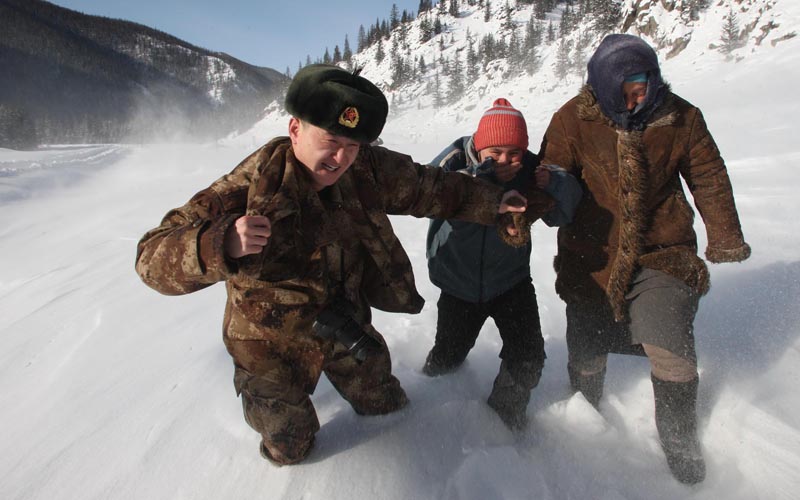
687,40
71,78
111,391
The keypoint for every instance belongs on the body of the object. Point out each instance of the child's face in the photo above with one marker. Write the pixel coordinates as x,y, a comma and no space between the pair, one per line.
503,155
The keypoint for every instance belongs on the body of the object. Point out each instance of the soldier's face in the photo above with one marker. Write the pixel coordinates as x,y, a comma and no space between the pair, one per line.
326,156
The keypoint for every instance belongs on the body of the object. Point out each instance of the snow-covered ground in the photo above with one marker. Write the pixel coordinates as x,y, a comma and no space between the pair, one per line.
111,391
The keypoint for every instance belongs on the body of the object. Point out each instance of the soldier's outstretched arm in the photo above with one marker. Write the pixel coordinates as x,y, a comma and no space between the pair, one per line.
409,188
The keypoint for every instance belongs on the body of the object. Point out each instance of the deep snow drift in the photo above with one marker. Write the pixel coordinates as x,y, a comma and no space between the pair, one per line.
109,390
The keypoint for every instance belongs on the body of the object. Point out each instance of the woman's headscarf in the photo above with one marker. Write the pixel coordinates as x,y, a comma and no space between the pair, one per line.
616,58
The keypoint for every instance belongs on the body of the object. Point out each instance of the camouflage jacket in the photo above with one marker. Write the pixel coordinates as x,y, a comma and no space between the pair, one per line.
340,238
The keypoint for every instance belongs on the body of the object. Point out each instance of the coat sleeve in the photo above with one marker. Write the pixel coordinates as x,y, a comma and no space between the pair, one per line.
555,148
567,192
408,188
185,253
707,178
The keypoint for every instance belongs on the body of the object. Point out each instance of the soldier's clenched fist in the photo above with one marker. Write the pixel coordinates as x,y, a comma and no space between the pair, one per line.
248,235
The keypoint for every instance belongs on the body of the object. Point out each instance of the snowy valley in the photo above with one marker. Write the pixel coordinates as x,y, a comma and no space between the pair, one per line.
111,391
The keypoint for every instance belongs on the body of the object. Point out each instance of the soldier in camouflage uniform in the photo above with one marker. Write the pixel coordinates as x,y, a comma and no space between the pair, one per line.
300,234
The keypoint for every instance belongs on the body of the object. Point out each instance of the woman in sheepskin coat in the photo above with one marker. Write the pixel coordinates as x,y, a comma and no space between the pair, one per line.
627,266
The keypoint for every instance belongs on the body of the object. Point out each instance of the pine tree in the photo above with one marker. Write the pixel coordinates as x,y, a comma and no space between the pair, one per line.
508,19
425,30
563,63
456,88
326,59
531,60
551,33
437,26
533,33
566,24
379,53
399,72
488,49
583,8
579,60
375,32
473,61
453,8
394,17
530,45
501,48
422,67
515,50
608,14
438,102
444,64
337,55
487,11
347,54
402,35
540,9
361,43
731,39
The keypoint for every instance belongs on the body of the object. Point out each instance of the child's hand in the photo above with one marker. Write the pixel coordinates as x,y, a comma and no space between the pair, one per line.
542,176
506,172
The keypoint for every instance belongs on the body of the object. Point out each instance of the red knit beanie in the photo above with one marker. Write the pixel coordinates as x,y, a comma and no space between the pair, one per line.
501,125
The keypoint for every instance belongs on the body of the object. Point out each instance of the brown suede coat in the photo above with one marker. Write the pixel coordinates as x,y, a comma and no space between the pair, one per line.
315,244
634,212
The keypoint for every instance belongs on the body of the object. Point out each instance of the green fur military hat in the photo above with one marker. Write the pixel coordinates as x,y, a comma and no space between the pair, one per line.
338,101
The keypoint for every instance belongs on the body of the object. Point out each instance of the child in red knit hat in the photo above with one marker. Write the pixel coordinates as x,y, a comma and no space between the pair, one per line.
480,275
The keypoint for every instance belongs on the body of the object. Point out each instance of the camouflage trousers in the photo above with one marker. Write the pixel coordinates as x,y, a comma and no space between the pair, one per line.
275,389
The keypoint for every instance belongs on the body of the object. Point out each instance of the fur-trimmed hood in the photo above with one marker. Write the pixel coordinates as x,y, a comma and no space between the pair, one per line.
617,57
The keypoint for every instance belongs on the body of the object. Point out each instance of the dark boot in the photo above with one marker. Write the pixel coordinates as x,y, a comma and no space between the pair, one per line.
512,391
279,458
676,420
434,366
590,385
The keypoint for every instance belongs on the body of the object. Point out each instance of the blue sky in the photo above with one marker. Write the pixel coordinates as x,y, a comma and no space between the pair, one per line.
269,33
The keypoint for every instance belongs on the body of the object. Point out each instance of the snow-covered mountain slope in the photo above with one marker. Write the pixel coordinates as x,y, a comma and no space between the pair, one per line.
688,42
